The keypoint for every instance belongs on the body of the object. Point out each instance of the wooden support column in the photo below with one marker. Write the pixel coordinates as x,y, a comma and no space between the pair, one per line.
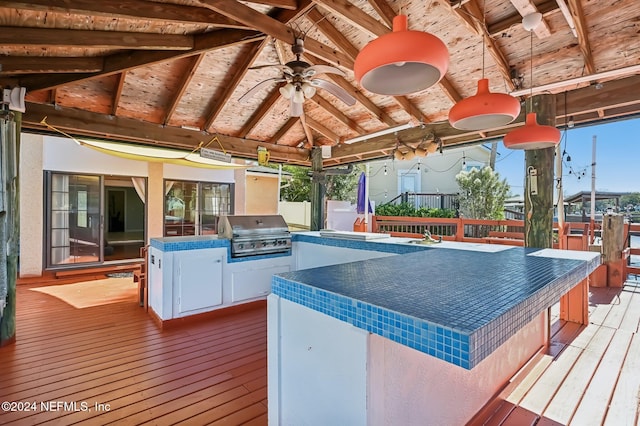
539,180
10,123
317,190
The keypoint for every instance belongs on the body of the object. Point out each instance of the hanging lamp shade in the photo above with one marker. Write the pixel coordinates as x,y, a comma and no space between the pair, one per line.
484,110
532,135
402,61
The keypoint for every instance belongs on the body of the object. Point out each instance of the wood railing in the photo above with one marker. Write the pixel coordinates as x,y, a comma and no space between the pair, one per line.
574,236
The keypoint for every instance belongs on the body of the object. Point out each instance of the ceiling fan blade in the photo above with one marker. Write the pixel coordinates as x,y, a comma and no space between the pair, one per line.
322,69
287,69
335,90
255,89
295,109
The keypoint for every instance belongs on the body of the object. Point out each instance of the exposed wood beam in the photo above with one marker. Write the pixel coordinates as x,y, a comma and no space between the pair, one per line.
384,11
48,64
22,36
259,113
118,93
187,76
472,8
237,71
307,131
282,4
84,123
132,9
276,29
339,115
355,16
450,91
332,33
583,36
497,28
361,98
526,7
128,60
322,129
283,130
411,109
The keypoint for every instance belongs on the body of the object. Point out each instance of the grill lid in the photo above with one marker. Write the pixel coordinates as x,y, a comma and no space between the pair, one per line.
240,226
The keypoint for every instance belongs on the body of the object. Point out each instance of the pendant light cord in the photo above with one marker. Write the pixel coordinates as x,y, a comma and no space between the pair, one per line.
530,71
484,32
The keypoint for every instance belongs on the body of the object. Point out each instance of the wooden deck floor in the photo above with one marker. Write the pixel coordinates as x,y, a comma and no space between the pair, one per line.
214,372
111,364
591,375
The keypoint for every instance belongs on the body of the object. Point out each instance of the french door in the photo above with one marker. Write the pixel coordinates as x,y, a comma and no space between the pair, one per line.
75,220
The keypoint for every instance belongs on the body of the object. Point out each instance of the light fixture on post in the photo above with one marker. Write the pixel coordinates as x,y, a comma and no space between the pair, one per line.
532,135
402,61
484,110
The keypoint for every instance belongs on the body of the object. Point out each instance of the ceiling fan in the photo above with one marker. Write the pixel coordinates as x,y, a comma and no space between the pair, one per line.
301,83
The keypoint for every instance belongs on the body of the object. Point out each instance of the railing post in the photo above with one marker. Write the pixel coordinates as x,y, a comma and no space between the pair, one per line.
460,229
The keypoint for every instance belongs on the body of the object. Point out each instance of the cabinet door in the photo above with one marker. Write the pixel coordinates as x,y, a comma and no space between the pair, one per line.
199,281
252,283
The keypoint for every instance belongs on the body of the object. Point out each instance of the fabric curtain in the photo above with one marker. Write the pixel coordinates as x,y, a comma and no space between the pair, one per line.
140,187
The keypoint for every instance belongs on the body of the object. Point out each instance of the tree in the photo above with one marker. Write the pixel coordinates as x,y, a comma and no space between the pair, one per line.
298,188
338,187
482,193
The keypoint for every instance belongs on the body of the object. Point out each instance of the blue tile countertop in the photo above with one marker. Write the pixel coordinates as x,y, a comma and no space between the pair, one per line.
458,305
173,244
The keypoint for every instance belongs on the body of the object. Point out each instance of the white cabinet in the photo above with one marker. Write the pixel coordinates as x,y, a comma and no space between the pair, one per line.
249,283
198,279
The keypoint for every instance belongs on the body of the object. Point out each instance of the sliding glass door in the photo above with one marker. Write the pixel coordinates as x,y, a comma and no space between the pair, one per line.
74,231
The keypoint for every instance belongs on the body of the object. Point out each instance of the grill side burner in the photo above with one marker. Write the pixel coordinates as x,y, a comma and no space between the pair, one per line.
254,235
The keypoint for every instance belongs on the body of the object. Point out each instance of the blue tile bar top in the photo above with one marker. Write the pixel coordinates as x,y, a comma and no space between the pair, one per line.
386,246
456,305
170,244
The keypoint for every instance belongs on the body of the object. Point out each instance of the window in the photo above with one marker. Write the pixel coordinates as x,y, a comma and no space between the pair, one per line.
193,208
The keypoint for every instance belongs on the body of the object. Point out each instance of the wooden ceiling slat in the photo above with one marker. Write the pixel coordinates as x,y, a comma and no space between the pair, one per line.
283,130
322,129
328,106
355,16
132,9
20,36
187,76
129,60
307,132
237,71
384,11
583,37
259,113
332,33
276,29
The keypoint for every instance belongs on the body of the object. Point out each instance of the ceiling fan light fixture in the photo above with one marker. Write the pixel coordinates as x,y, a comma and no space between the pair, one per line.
308,90
532,135
401,62
484,110
298,96
287,90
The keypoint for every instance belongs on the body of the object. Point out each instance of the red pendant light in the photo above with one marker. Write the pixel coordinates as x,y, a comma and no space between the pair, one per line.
402,61
484,110
532,135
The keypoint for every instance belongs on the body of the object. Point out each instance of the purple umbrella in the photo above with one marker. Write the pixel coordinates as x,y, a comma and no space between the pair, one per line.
362,182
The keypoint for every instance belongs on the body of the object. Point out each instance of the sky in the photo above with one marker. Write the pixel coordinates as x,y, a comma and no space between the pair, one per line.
616,166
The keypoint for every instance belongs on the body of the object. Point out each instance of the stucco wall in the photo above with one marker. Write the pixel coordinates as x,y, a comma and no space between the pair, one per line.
261,194
409,388
31,205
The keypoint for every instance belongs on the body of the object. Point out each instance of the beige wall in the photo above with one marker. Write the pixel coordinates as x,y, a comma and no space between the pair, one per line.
31,205
155,201
261,194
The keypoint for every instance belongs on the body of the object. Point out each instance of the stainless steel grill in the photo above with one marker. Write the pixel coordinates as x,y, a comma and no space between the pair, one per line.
253,235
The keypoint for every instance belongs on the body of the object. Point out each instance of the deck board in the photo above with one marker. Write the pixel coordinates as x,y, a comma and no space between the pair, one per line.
589,375
114,354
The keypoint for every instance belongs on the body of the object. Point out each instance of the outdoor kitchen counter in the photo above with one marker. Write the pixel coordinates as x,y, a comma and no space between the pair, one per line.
400,337
192,275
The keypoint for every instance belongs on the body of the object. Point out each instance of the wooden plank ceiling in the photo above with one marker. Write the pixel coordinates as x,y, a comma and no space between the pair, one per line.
170,73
